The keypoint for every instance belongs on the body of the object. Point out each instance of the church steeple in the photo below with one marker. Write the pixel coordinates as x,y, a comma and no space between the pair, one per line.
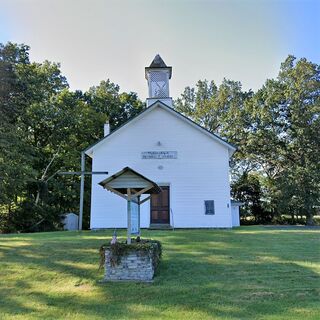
158,75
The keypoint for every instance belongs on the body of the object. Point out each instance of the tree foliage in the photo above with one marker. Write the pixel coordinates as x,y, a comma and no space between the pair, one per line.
276,130
43,128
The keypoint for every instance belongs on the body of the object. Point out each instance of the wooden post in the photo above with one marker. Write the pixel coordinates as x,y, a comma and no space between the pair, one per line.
81,189
139,216
129,216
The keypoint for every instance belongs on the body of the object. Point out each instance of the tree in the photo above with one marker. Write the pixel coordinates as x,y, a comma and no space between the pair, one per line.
117,107
284,139
276,131
44,128
15,155
248,190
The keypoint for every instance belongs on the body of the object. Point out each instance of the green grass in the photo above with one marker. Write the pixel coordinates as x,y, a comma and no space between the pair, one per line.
246,273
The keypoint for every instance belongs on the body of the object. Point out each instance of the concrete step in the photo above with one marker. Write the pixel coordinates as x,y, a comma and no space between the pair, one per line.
160,226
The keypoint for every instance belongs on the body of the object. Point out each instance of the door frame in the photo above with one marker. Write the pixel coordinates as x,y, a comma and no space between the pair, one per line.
168,185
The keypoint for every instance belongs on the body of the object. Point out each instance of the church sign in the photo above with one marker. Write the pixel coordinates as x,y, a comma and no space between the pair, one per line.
159,155
135,217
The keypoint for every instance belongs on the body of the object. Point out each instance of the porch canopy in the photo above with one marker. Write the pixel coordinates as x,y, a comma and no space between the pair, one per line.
130,185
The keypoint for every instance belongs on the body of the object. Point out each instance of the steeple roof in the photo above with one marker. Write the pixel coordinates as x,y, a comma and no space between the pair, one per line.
157,62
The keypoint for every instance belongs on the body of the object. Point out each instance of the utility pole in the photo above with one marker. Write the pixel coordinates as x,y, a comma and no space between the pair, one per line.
81,189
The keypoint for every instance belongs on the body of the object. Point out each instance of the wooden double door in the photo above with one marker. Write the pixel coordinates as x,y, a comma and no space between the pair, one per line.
160,207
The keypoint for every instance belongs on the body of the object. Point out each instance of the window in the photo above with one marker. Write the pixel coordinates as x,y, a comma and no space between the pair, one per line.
209,206
159,84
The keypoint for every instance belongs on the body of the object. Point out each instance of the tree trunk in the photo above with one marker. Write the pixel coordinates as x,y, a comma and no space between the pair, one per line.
309,221
309,212
42,179
292,217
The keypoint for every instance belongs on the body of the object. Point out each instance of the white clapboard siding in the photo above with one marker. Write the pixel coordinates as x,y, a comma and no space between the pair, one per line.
200,172
129,180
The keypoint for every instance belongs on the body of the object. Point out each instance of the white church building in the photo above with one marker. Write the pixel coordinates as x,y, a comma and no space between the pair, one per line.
189,163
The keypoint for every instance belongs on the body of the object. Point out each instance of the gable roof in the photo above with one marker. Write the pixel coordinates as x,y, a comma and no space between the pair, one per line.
158,103
129,178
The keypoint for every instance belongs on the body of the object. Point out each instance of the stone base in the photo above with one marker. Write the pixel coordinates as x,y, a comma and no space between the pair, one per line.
134,281
135,266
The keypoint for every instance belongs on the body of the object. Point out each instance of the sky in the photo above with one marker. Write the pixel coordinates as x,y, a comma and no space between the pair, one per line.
93,40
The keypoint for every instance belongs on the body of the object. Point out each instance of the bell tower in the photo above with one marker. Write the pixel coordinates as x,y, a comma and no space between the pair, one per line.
158,75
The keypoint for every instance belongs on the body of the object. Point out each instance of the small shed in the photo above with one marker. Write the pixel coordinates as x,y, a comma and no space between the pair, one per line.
235,212
131,185
70,221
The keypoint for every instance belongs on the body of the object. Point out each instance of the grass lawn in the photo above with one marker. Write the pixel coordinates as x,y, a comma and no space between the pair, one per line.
246,273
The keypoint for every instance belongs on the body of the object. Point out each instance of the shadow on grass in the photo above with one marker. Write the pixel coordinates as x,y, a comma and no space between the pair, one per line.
203,274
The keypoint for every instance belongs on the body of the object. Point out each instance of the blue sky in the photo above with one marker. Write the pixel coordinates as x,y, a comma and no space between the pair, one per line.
244,40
